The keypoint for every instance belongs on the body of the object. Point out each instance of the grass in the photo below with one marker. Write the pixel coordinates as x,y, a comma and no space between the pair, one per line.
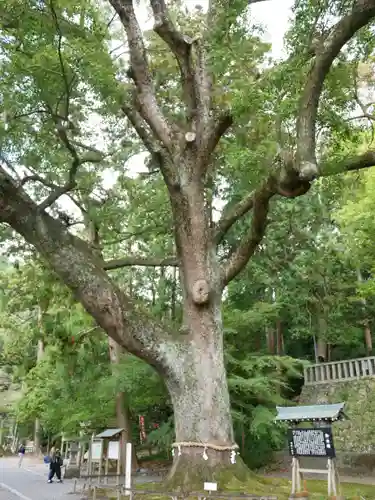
278,487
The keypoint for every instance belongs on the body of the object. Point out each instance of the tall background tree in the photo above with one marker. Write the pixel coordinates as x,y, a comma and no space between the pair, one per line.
208,81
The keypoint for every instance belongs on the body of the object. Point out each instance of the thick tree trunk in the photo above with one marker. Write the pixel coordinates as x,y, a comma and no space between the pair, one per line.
200,397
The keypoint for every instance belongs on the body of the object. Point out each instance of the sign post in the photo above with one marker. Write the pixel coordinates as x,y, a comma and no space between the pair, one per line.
314,442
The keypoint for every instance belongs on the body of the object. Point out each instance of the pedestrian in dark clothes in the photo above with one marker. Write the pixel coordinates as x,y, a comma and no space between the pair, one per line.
55,467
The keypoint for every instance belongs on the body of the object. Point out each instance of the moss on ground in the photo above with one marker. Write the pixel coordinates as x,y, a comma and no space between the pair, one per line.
262,486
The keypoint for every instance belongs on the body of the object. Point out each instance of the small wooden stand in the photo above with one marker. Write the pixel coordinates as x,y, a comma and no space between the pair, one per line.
331,472
312,442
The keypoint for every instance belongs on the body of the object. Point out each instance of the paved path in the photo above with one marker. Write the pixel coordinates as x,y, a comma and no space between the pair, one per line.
30,482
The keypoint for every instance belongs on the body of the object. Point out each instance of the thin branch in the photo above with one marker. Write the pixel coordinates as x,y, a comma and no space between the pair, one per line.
140,127
219,125
141,261
150,109
362,12
89,148
67,84
9,166
68,186
232,215
350,164
246,247
37,178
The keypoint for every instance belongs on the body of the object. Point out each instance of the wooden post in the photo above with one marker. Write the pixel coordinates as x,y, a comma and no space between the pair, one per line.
106,469
299,477
128,469
1,431
294,476
119,466
101,460
89,465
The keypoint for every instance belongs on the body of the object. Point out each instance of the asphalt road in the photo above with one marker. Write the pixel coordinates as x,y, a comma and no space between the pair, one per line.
30,482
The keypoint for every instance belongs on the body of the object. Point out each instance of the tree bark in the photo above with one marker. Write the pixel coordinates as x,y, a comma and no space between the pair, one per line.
321,347
366,322
279,338
270,334
122,409
39,357
368,338
201,405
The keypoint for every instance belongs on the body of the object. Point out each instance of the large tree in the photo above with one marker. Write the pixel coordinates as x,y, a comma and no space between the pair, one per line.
53,46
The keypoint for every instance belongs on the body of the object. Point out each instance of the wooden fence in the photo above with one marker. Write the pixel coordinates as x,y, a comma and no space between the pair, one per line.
339,371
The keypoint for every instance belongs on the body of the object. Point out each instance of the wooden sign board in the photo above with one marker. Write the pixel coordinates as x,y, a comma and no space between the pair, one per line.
314,442
113,450
96,450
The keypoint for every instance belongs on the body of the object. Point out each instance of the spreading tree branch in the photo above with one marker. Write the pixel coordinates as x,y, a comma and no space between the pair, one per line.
81,270
38,178
351,164
259,200
248,245
232,214
180,45
59,191
203,84
363,11
141,261
217,128
140,127
150,109
293,178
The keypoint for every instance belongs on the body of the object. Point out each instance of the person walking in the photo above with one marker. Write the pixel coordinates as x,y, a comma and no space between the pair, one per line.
55,466
21,454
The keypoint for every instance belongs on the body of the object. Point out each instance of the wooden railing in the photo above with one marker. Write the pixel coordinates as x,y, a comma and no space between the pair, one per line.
339,371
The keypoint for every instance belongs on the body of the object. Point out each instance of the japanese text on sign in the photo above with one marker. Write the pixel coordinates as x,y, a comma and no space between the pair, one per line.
311,442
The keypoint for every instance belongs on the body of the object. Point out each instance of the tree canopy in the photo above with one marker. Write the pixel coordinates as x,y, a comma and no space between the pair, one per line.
229,138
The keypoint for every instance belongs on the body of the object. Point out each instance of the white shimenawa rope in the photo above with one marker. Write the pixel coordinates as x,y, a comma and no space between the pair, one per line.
206,446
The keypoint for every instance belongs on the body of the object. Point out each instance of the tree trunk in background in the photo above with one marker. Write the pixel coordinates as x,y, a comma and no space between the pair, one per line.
173,294
270,335
279,338
368,338
367,329
37,430
122,408
321,345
